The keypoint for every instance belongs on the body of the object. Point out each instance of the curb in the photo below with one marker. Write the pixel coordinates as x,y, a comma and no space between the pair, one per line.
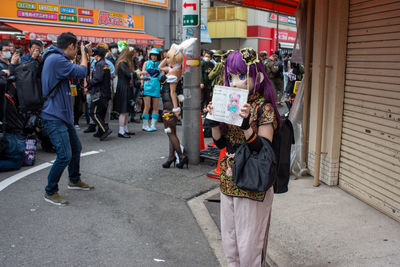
207,224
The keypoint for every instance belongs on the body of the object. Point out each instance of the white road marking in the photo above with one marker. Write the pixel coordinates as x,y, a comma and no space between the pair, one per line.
9,181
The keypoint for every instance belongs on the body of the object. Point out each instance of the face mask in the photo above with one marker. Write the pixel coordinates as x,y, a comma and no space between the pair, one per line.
6,55
206,59
114,50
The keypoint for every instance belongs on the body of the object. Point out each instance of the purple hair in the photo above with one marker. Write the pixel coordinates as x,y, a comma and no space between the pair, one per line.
235,64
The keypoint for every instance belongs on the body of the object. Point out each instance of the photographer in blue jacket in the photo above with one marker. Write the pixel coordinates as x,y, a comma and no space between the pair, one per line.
57,112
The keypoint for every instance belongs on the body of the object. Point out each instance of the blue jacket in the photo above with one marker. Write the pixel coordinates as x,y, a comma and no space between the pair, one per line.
57,66
26,58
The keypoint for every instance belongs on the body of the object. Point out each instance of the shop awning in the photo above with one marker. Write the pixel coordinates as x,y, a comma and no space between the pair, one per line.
287,7
50,33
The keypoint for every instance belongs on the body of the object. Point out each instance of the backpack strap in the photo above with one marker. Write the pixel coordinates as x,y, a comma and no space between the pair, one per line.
3,132
58,86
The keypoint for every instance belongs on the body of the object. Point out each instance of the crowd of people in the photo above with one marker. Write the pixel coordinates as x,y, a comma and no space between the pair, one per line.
119,81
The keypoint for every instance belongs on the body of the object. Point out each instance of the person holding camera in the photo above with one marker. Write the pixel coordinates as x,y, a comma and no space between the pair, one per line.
35,50
8,61
100,92
12,141
57,113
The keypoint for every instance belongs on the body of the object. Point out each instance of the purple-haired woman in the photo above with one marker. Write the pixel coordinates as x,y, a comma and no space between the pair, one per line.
245,215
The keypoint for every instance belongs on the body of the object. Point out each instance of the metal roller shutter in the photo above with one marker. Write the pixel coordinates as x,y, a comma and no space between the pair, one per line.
370,148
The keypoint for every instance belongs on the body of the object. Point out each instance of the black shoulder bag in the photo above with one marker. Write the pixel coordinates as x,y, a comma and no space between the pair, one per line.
255,171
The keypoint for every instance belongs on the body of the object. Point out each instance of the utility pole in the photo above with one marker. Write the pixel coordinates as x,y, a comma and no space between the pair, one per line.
277,32
191,81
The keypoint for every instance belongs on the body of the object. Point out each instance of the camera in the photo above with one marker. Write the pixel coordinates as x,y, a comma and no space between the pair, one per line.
11,79
19,50
79,47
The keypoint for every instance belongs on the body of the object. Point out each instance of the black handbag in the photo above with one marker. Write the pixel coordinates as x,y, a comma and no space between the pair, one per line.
255,171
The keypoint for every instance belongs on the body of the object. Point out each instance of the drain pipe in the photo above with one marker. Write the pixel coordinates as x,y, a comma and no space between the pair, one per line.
321,95
307,81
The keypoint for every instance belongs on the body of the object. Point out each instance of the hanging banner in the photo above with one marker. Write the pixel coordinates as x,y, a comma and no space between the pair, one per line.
204,35
25,11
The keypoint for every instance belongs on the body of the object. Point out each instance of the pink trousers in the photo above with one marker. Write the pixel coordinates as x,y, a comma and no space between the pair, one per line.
244,229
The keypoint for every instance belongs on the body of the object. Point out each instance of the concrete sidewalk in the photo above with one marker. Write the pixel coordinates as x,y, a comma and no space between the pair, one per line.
325,226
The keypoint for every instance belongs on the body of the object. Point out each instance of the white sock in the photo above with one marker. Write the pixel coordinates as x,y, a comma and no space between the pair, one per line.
121,129
126,128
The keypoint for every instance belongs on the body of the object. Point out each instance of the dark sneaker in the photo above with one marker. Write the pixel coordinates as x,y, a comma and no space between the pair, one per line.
97,134
104,135
80,186
55,199
90,129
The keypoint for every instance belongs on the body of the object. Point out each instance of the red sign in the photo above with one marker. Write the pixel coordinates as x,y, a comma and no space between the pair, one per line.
85,12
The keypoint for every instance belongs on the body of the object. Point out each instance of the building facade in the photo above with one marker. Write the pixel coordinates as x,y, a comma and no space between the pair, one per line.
233,27
357,47
141,22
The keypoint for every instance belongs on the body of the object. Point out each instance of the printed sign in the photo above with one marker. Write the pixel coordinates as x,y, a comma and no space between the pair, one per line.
283,19
65,15
190,13
227,102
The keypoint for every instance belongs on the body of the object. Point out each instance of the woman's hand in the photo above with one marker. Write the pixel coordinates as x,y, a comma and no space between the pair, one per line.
209,108
245,111
177,114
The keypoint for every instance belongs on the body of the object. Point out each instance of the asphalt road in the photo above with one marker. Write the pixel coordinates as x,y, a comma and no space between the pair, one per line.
136,216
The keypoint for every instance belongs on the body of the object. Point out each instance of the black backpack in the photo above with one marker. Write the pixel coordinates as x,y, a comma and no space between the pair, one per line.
281,144
28,83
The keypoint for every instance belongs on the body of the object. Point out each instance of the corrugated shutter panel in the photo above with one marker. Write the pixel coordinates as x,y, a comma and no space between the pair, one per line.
370,149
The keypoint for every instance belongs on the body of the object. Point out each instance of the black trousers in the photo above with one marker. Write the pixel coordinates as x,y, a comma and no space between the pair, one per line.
98,112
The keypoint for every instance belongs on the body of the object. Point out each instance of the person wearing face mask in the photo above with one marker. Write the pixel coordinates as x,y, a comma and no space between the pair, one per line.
151,94
5,55
57,113
35,49
206,67
113,54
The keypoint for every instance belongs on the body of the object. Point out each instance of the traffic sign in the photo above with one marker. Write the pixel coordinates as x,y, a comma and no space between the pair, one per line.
190,13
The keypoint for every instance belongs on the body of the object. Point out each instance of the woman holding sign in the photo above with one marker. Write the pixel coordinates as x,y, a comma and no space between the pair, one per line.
245,215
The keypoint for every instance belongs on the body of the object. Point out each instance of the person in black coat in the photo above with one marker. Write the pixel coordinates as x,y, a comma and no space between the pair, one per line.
124,96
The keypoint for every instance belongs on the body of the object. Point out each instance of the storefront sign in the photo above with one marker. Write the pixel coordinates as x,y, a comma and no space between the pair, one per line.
36,15
29,6
65,15
68,10
283,19
160,3
48,8
67,18
85,12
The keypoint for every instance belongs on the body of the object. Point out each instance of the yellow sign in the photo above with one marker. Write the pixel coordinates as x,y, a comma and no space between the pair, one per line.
14,11
192,62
